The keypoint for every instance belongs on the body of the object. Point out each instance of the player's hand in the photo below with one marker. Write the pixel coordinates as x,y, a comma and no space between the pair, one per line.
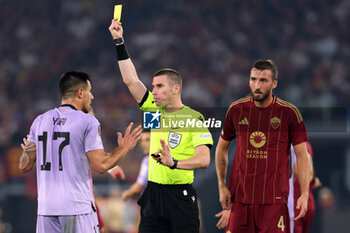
166,159
130,138
116,29
317,183
302,205
117,172
25,142
225,197
224,217
125,195
24,161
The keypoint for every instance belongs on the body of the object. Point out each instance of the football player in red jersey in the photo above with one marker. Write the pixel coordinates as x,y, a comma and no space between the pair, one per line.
264,126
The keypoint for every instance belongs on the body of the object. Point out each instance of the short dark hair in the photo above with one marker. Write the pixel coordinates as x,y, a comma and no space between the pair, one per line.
174,77
267,65
71,81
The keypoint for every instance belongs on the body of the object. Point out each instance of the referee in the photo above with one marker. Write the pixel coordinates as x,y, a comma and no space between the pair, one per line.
169,203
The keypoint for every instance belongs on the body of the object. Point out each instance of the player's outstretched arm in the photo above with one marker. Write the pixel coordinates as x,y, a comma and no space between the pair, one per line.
303,164
127,68
134,190
28,157
102,162
200,160
117,172
221,160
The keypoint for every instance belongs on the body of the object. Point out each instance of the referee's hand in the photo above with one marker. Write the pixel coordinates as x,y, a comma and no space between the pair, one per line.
166,159
116,29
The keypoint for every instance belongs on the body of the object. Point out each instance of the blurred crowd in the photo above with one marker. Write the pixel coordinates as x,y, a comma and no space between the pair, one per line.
211,43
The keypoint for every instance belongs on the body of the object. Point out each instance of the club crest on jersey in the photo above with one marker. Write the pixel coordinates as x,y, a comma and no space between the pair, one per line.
275,122
174,139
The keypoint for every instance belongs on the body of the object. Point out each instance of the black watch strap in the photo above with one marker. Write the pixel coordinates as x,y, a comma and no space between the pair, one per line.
175,164
119,40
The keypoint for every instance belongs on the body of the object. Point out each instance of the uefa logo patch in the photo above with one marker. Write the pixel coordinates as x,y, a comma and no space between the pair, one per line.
151,120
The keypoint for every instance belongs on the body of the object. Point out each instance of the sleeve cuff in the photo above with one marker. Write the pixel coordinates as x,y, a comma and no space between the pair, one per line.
144,99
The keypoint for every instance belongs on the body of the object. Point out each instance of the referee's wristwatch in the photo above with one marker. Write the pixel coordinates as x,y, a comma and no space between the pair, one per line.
175,164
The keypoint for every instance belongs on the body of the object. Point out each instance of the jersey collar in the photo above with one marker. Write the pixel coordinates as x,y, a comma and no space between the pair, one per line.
69,105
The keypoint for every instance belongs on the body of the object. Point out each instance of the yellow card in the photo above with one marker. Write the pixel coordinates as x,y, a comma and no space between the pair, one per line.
118,12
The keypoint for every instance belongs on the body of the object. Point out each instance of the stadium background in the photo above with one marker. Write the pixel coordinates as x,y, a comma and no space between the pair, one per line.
212,44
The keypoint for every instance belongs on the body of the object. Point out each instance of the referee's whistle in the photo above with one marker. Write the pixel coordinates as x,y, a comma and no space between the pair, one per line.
155,156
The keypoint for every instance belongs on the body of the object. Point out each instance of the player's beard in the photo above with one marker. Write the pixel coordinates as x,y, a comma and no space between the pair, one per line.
87,109
263,97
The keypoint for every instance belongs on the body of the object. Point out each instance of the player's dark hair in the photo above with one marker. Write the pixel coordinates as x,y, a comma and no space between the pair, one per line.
71,81
267,65
174,77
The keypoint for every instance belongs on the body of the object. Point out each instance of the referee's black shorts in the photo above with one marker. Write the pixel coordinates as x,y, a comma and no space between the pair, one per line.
169,209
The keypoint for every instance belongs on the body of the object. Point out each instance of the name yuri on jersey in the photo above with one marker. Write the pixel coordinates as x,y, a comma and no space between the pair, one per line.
59,121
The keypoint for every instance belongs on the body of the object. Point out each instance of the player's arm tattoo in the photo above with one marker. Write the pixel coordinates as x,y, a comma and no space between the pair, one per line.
28,157
223,162
221,168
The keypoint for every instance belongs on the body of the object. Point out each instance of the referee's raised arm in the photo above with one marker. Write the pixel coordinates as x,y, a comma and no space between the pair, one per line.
127,68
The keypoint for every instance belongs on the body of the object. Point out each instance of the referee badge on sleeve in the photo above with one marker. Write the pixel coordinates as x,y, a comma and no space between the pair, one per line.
174,139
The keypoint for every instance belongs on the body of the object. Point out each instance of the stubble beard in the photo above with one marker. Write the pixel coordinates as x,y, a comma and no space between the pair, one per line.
261,99
86,109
